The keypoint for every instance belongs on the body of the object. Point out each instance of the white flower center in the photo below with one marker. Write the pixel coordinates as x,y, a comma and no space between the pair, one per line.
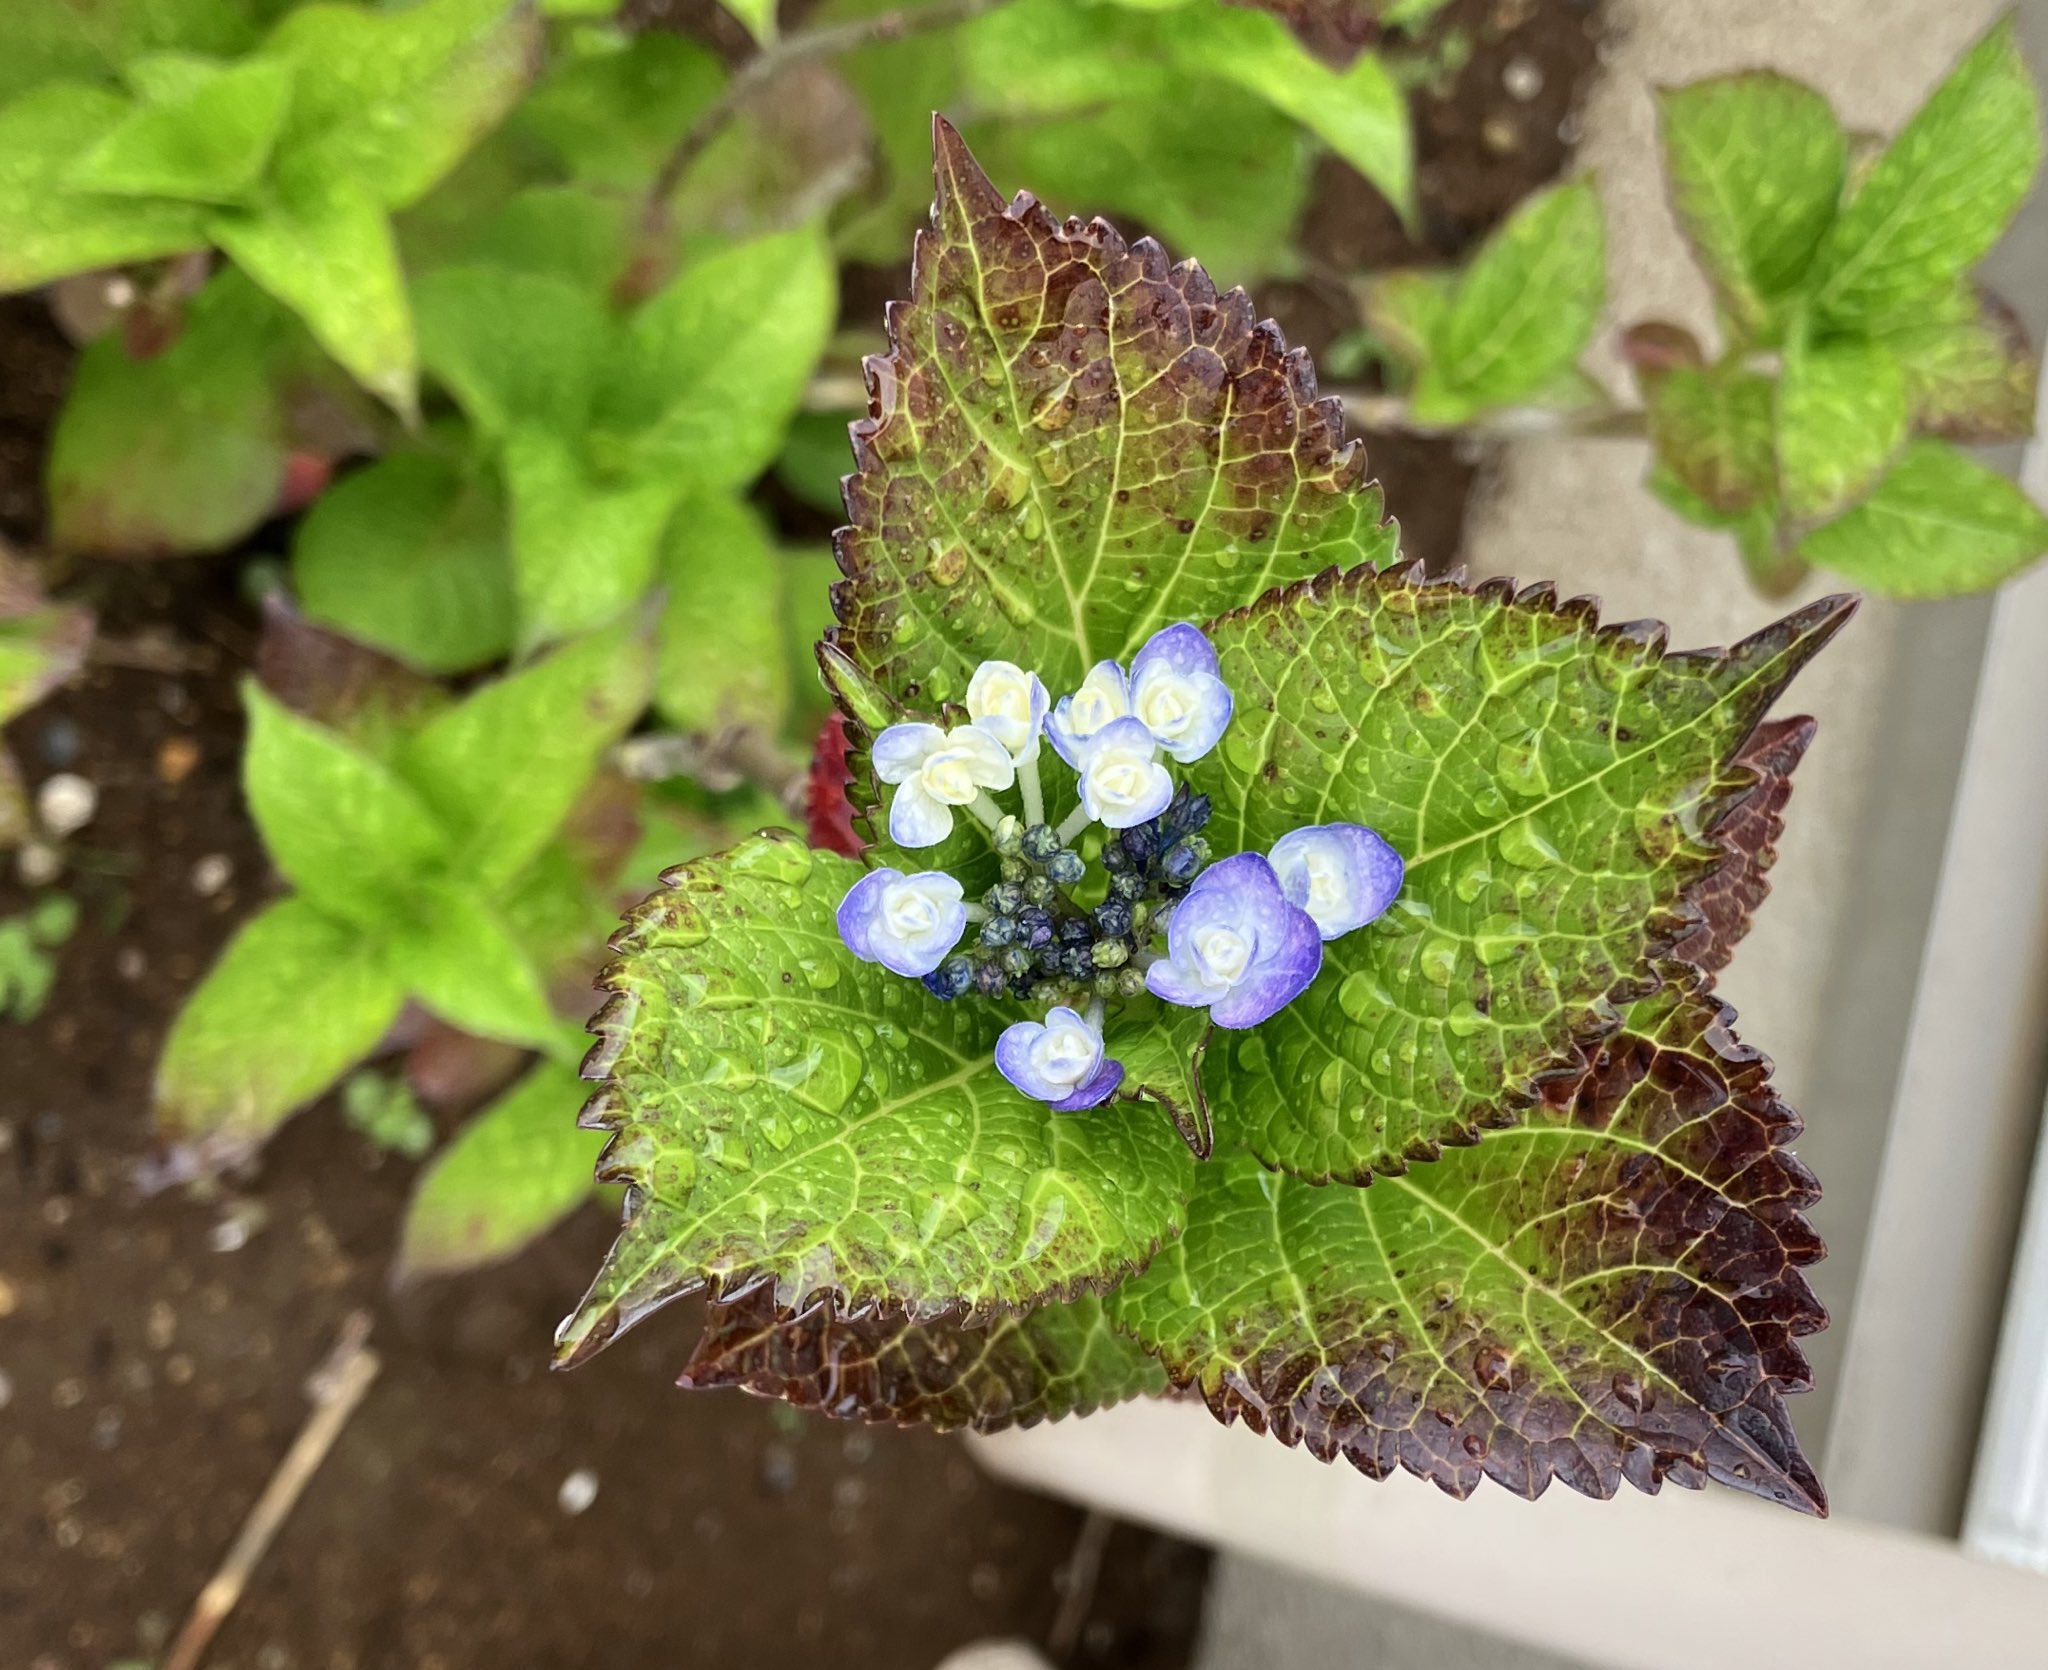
1008,700
1066,1055
1327,884
949,775
1166,705
1224,953
1120,778
910,911
1095,704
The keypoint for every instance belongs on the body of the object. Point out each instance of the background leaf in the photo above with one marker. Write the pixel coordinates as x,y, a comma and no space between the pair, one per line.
206,141
713,368
323,247
48,40
1550,785
785,1115
1841,417
409,554
1941,194
1971,373
345,830
516,349
1055,1361
582,548
1524,309
47,228
511,1174
1756,164
459,959
506,763
1938,525
184,450
722,663
294,1001
390,99
1714,431
1011,500
1612,1291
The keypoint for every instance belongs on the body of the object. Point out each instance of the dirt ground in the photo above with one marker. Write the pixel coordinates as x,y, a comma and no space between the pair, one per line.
153,1351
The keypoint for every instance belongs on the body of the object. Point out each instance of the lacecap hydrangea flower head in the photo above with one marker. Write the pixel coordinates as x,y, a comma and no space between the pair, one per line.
1123,902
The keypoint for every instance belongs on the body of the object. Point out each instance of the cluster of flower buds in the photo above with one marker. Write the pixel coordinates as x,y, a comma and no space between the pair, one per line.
1243,936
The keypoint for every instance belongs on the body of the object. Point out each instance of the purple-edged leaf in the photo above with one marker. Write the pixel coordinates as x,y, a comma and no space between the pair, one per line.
1611,1291
786,1116
1058,1360
1725,898
1072,444
1972,374
1549,783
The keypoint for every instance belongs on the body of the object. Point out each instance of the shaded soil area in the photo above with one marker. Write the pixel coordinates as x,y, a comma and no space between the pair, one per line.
153,1351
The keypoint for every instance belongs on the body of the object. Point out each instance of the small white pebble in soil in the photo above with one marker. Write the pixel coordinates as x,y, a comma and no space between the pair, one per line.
120,291
1522,79
37,863
66,803
578,1491
6,1388
130,963
229,1235
211,874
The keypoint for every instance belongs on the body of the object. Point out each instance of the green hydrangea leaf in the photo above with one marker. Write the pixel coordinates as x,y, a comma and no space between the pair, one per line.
1524,309
564,232
346,830
511,1174
206,141
1612,1291
1756,164
1841,417
1216,169
1972,374
48,229
410,554
1055,1361
1358,111
1714,430
1403,308
323,247
1338,30
184,450
610,115
390,99
722,664
1162,1049
504,766
1938,525
582,548
788,1118
1941,194
50,40
713,368
294,1001
1553,787
1076,443
514,348
458,957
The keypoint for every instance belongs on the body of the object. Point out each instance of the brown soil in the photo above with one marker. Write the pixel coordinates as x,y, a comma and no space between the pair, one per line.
153,1351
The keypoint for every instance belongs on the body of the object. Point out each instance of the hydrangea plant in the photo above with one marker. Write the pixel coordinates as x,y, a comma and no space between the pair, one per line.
1071,1085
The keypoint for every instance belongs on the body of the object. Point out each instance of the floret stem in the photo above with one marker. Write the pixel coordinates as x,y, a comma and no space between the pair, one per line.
1034,792
986,811
1076,821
